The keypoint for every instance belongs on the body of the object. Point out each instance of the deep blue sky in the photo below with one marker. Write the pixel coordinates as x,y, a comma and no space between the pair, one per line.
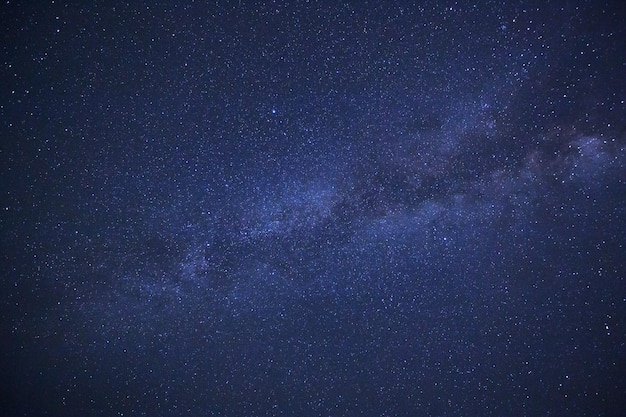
317,208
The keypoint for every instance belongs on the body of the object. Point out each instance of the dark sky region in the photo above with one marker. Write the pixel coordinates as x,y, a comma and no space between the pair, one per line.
312,208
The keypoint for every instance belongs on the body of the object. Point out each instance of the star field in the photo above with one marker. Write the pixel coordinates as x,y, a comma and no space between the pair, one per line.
312,208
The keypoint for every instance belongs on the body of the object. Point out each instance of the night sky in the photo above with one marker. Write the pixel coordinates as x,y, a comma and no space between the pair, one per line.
312,208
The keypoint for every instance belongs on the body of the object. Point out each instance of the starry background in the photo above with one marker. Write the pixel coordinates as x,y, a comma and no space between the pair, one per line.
311,208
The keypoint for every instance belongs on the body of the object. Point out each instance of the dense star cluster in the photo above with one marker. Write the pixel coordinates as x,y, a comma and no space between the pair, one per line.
312,208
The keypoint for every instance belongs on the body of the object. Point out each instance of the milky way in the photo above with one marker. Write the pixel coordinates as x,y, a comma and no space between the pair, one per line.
254,208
